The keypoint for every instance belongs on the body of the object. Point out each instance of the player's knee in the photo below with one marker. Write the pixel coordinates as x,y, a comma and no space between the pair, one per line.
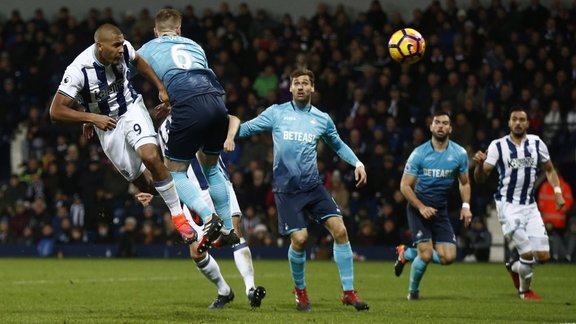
425,255
447,255
298,240
527,255
447,259
542,257
340,235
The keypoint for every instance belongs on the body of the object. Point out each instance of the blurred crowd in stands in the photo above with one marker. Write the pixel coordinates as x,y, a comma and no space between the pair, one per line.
480,60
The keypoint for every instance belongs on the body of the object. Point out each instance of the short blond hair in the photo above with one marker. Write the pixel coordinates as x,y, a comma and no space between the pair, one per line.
168,20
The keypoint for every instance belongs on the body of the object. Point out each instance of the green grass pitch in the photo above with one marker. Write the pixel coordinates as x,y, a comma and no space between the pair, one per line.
173,291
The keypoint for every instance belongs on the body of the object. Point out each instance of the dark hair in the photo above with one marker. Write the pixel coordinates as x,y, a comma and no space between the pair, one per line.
301,72
442,113
517,109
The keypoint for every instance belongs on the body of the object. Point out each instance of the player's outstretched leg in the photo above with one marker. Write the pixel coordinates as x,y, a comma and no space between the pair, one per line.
186,230
404,254
297,261
168,191
211,232
192,198
400,260
416,273
243,260
345,263
524,269
219,192
210,269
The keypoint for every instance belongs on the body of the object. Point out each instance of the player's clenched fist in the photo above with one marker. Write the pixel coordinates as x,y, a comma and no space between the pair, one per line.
479,157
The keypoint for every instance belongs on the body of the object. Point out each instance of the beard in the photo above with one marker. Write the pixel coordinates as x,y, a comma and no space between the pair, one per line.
518,134
440,138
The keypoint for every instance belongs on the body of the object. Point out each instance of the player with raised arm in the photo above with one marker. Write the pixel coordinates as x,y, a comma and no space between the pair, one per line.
199,120
429,173
97,79
518,157
296,128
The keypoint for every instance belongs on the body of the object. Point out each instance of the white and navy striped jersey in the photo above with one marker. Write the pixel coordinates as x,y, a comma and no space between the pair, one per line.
518,167
102,89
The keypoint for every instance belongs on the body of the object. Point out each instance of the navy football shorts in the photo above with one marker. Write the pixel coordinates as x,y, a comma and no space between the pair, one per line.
198,123
437,229
294,208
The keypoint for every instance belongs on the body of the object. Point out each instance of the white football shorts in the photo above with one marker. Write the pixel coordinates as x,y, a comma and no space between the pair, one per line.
133,129
524,226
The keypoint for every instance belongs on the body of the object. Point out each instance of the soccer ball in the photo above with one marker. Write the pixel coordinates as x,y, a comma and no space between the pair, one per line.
406,46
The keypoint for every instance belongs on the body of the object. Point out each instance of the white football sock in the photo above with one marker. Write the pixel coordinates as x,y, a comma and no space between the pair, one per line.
243,260
210,269
167,190
525,273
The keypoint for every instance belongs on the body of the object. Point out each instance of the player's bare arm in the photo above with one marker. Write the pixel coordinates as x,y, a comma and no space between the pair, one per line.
360,176
465,192
407,189
233,126
61,111
481,169
552,178
146,70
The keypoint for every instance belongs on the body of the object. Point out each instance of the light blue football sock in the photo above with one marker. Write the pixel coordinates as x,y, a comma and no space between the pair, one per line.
297,262
190,195
219,193
344,261
416,273
435,257
410,254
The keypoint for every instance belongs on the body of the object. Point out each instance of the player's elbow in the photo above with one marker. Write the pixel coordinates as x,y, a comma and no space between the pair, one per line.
405,189
54,116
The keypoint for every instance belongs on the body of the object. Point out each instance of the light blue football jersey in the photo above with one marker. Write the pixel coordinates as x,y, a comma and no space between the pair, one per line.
436,171
170,55
296,133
